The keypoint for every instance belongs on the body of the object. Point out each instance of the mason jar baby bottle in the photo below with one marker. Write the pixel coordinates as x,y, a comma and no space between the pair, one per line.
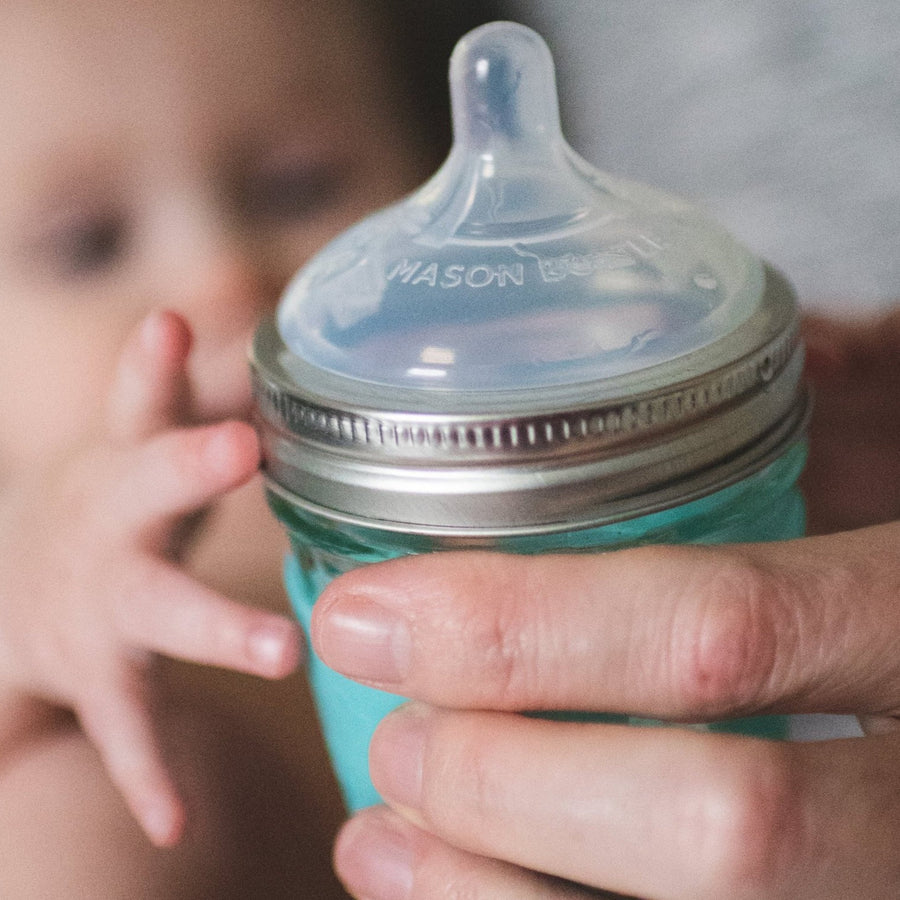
525,354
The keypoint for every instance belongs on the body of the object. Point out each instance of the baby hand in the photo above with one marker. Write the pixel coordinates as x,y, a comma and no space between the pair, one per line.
90,586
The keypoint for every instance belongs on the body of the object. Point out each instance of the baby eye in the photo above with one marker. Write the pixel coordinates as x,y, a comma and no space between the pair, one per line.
289,193
88,245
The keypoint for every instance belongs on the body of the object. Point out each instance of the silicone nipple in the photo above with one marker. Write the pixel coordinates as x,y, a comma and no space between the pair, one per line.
517,266
524,343
510,174
503,91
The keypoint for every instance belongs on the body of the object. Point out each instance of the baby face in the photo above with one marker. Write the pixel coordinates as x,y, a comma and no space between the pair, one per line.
163,153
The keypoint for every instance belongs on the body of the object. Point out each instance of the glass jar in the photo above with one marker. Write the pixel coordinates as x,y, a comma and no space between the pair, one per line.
525,355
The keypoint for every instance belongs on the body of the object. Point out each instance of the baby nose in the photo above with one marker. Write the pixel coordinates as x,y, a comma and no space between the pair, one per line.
227,289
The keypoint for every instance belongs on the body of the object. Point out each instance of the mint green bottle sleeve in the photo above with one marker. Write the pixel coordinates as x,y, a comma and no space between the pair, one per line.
526,355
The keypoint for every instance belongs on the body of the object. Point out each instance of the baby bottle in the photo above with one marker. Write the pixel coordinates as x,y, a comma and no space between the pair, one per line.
525,354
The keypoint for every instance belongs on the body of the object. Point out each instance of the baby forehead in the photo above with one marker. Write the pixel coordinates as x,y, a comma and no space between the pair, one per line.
67,45
146,66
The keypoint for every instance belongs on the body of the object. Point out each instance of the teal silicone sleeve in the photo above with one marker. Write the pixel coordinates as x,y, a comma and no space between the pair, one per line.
765,506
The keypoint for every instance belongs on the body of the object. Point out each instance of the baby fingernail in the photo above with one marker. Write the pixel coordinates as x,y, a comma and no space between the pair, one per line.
275,647
150,331
374,859
362,639
161,823
228,447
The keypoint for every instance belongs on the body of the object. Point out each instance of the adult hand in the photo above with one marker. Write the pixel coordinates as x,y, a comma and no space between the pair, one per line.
90,582
483,798
483,802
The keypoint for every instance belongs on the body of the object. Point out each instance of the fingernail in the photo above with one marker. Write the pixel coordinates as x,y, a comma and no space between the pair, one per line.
374,859
362,639
397,755
149,331
161,822
275,647
220,449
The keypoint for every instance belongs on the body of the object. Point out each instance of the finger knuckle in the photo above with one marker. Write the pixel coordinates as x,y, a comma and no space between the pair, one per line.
731,641
506,642
751,831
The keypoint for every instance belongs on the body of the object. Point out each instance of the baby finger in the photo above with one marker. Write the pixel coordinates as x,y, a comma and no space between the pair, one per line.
181,471
173,614
117,720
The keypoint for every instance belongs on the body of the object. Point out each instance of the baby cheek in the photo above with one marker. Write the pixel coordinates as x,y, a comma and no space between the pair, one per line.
58,400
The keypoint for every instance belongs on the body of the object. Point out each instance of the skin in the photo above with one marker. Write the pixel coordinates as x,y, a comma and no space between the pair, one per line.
482,802
166,167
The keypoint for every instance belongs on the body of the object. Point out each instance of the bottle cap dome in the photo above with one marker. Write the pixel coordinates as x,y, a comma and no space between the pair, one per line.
517,266
524,342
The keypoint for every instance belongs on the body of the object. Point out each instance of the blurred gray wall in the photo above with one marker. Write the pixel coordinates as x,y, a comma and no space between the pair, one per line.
781,116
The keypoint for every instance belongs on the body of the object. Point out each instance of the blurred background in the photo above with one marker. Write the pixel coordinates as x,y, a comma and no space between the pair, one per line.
782,117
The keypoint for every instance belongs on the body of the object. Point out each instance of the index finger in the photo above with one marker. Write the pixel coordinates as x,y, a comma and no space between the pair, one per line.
682,633
150,388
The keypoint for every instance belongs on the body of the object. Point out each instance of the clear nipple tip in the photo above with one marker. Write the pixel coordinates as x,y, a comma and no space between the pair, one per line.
503,88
